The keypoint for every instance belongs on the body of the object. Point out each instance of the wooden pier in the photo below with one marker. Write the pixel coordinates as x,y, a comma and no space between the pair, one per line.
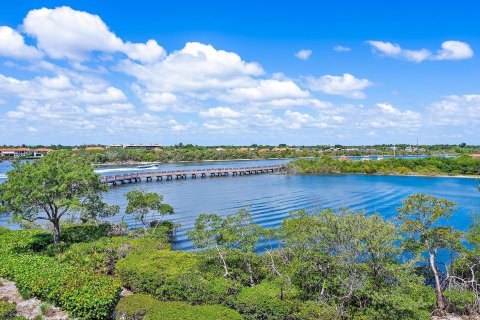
193,173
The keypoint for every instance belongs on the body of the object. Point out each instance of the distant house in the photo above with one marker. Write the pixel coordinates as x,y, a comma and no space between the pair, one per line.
475,155
41,152
220,149
135,146
94,148
14,152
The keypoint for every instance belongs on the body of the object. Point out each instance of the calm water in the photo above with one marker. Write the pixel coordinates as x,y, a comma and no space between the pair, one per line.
271,197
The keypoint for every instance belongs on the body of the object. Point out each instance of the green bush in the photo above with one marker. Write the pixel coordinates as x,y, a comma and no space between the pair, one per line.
264,302
24,240
314,310
72,233
102,254
7,310
170,276
135,307
81,293
140,306
459,298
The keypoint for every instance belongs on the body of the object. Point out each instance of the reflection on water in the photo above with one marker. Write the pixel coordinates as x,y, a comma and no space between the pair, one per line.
271,197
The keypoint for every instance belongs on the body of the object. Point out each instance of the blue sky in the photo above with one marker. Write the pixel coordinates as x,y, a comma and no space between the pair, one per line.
299,72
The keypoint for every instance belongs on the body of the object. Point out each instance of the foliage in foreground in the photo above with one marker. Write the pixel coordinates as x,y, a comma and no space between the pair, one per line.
141,306
48,189
7,310
82,293
328,265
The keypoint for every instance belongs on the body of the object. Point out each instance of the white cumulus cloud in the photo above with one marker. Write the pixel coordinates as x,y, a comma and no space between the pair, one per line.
346,85
13,45
454,50
451,50
303,54
220,112
65,33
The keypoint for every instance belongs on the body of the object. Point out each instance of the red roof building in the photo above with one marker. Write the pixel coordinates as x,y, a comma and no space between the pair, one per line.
14,152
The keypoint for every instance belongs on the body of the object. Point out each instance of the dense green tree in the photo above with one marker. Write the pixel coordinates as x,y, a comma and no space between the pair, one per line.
142,203
58,184
208,234
242,234
419,215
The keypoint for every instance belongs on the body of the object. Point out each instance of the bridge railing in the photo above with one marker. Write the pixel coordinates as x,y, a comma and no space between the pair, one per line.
184,172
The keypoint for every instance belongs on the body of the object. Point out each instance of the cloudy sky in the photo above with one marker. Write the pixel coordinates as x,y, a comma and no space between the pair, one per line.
209,73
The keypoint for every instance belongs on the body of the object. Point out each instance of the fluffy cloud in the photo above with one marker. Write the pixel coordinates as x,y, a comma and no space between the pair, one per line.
346,85
60,88
64,33
303,54
454,50
265,90
108,109
455,110
196,67
12,45
388,116
220,112
451,50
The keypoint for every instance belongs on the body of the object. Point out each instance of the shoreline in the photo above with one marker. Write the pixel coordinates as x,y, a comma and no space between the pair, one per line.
390,175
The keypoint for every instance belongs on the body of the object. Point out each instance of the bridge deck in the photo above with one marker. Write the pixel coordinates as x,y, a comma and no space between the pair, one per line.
183,174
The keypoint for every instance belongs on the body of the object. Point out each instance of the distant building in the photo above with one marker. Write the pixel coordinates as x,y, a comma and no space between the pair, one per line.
135,146
475,155
14,152
94,148
41,152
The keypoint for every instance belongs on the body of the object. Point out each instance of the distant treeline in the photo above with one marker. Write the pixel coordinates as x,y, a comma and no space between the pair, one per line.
198,153
189,152
463,165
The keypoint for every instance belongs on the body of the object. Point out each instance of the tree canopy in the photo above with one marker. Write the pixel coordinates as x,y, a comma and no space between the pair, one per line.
48,189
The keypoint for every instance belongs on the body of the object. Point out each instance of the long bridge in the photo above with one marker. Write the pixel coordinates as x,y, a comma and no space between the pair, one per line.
193,173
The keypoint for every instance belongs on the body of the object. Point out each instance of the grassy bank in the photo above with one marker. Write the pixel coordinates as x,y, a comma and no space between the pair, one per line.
432,166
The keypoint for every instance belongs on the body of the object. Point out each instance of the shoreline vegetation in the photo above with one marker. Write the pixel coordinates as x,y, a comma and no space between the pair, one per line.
101,154
460,167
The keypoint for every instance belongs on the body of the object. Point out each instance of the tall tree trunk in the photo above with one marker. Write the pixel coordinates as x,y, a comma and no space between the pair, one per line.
438,288
223,261
250,274
56,230
142,218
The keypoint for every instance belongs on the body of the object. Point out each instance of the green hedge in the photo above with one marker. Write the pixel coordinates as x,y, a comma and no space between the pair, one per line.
264,302
170,276
81,293
7,310
101,255
24,240
72,233
140,306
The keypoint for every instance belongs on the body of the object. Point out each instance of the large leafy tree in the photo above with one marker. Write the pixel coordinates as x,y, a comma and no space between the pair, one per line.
420,215
209,234
240,232
48,189
236,234
141,204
